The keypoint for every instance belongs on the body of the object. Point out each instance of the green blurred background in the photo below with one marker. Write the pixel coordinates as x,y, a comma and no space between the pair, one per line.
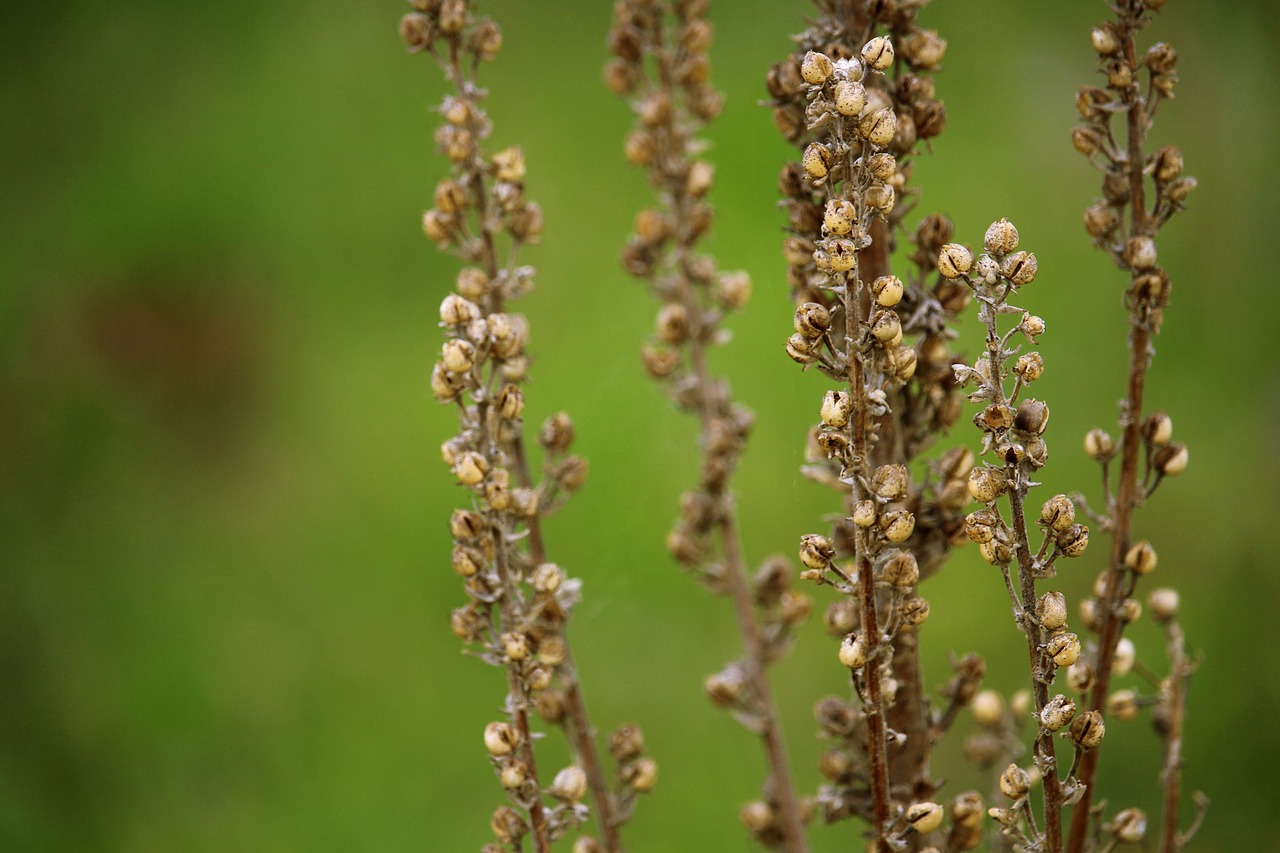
225,592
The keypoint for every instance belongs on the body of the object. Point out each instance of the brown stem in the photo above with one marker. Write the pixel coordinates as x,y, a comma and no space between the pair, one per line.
582,733
873,700
1128,493
1170,841
1040,668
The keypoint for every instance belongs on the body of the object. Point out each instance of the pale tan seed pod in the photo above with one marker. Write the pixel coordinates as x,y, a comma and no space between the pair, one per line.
864,514
672,323
925,49
470,468
987,708
981,526
878,53
626,742
500,739
881,198
438,226
1141,558
836,408
642,775
883,167
1020,268
1088,730
466,525
886,327
507,824
904,362
878,127
901,570
1099,445
587,844
1140,252
850,98
466,562
967,810
915,610
853,651
1057,712
887,289
733,289
817,160
1064,648
816,551
891,482
1031,326
1029,366
515,645
1001,238
472,283
838,216
1051,610
1015,782
1157,429
840,617
724,688
570,784
1059,513
1080,677
547,578
803,350
1020,704
1073,541
812,319
924,817
1171,460
442,386
986,484
835,765
456,311
954,260
758,817
840,256
1129,826
1090,613
898,525
1125,657
1123,705
816,67
1163,602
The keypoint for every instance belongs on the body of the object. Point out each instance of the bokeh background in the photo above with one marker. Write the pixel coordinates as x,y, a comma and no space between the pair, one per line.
224,582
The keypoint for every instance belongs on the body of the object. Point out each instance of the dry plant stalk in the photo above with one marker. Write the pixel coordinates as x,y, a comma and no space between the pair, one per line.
661,66
876,309
518,601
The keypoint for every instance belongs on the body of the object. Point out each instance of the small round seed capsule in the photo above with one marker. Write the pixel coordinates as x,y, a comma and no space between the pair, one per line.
850,97
1020,268
887,290
1129,826
1059,513
878,53
500,739
470,468
986,484
1123,705
1073,541
915,610
812,319
1001,238
800,349
840,617
1140,252
816,551
1099,445
1171,460
882,166
1157,429
1057,712
758,817
1015,782
967,810
1030,366
987,708
836,408
924,817
838,216
515,645
1051,610
817,160
1088,729
891,482
954,260
879,127
901,570
816,67
981,526
1080,677
898,525
1141,558
864,514
853,651
1064,648
886,327
570,784
1163,602
1125,657
642,775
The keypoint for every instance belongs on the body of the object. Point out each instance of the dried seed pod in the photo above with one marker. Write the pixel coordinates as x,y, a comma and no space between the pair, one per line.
954,260
987,708
836,408
1088,729
924,817
1163,602
1129,826
1099,445
1001,238
1051,610
1015,782
1123,705
500,739
853,651
878,53
1064,648
815,68
816,551
1057,712
1171,459
1072,541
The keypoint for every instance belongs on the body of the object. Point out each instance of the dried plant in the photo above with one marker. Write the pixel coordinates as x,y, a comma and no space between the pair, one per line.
878,292
518,601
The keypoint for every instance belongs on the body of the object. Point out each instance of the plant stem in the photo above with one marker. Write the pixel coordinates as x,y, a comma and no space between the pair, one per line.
1170,841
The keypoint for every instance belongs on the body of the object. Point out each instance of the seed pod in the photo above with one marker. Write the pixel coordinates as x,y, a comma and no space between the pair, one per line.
1088,729
850,98
1099,445
1064,648
1163,602
891,482
1001,238
1080,677
924,817
500,739
816,551
901,570
1072,541
836,408
1157,429
570,784
803,350
981,526
1129,826
1051,610
507,824
836,765
954,260
915,610
879,127
1123,705
864,514
987,708
1032,417
1171,460
887,289
1020,268
1030,367
642,775
898,525
1015,782
815,68
626,742
758,817
1125,657
987,483
1140,558
853,651
878,53
1057,712
817,160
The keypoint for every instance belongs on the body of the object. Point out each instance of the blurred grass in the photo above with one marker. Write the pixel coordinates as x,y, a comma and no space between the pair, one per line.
223,600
